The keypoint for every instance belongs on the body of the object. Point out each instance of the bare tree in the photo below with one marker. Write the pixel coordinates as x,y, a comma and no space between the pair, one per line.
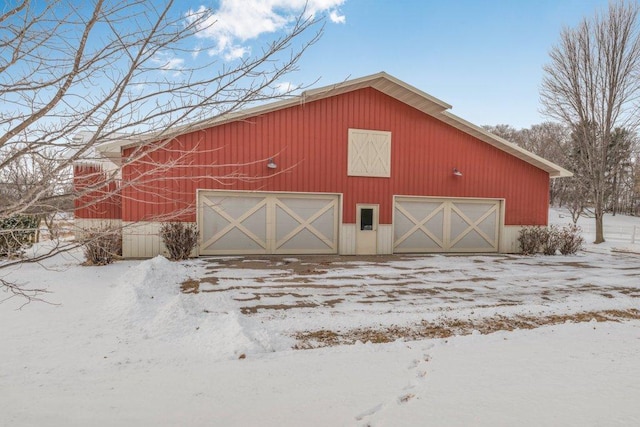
110,70
507,132
591,84
548,140
620,154
36,170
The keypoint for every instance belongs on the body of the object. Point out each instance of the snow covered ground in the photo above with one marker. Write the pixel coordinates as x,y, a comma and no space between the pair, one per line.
210,342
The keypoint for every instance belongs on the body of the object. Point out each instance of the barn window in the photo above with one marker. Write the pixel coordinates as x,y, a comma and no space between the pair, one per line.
366,219
369,153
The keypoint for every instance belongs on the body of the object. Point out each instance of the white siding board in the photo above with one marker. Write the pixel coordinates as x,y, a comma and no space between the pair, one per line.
347,239
385,239
509,239
80,225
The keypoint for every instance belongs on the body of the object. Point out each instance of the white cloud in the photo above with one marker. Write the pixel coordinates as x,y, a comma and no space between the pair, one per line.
235,52
167,62
336,18
237,21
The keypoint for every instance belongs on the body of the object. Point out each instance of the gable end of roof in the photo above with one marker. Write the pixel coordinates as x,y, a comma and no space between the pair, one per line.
382,82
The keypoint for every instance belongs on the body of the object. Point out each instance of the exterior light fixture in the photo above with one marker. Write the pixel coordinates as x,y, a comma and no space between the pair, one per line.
271,164
456,172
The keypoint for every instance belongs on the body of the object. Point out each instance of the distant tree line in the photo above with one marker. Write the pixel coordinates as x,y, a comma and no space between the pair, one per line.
566,147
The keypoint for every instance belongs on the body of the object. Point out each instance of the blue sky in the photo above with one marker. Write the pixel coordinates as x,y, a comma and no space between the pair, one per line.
484,57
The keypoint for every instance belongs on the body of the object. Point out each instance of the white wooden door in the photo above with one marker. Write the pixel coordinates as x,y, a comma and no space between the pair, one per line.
232,223
424,224
366,229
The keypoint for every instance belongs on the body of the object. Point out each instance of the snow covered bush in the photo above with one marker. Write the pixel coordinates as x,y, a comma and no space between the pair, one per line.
531,239
102,245
570,239
16,232
180,238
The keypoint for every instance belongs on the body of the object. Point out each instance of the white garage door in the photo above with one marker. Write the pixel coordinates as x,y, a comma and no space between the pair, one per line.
424,224
233,223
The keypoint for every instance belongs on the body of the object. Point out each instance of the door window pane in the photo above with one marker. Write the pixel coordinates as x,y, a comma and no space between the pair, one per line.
366,219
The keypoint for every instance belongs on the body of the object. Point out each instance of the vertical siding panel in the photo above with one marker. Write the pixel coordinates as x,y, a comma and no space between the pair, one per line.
311,138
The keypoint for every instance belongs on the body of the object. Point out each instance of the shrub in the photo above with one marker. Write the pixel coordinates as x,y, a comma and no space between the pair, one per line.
531,239
550,240
102,245
570,240
16,232
180,238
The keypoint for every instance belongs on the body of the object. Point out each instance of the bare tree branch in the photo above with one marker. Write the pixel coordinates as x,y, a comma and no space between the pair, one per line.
76,77
591,84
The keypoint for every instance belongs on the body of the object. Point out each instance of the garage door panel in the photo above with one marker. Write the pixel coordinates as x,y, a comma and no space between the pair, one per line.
421,209
305,241
472,239
296,230
267,223
418,241
239,242
473,211
285,223
419,226
236,207
408,220
303,207
445,225
256,222
436,225
325,224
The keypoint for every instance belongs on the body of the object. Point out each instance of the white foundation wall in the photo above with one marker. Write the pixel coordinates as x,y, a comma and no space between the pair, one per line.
509,239
82,225
385,239
142,240
347,239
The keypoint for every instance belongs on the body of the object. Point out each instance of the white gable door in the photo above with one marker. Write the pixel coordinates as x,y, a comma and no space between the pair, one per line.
425,224
369,153
234,223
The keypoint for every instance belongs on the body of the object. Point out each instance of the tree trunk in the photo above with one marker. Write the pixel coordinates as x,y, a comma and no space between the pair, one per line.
599,226
614,191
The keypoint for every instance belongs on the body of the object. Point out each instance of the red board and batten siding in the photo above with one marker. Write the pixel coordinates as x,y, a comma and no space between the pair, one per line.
309,144
97,200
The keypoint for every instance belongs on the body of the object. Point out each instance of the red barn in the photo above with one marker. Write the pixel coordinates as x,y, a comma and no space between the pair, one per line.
367,166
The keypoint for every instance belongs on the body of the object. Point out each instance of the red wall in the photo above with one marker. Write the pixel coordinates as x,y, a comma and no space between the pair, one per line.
95,200
309,144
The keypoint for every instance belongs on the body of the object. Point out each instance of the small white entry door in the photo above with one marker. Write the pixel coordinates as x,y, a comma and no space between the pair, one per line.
366,229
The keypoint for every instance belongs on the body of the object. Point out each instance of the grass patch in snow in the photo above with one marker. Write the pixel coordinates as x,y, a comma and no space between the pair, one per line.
452,327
